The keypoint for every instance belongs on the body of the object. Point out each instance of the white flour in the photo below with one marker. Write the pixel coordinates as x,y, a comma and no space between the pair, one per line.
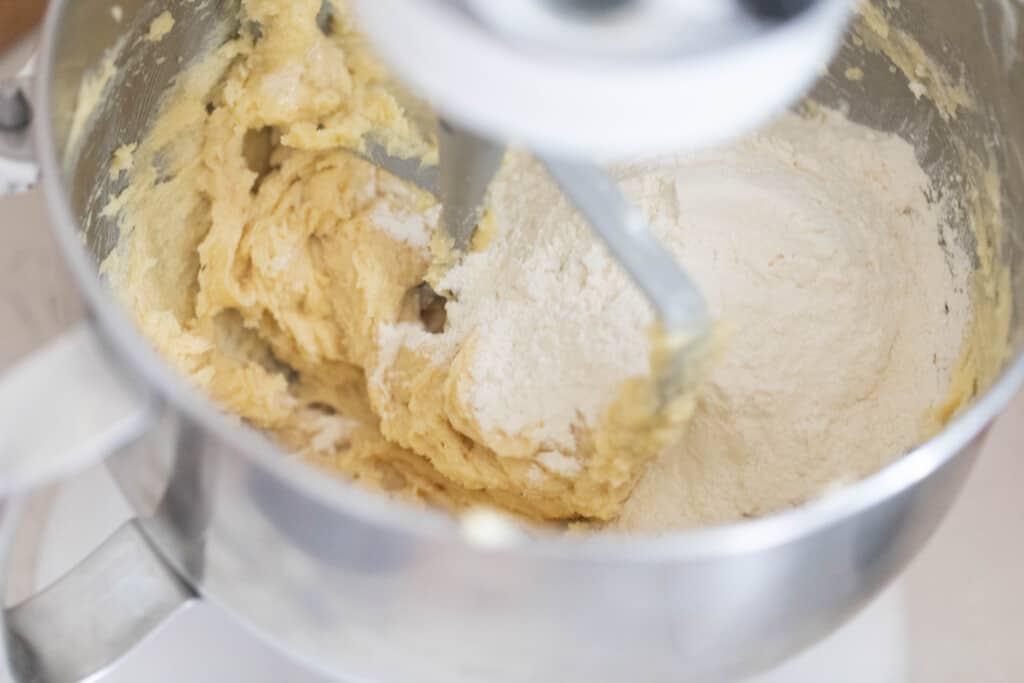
558,325
815,245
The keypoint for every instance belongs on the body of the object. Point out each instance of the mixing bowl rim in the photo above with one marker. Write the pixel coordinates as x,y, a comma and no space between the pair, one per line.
417,522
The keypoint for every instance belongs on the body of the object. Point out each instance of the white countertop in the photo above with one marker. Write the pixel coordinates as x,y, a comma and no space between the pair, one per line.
964,596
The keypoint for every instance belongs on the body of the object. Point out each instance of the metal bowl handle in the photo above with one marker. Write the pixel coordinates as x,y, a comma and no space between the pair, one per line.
94,615
63,409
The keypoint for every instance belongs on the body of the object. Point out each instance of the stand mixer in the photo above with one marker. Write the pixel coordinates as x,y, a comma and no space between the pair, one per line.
365,589
582,81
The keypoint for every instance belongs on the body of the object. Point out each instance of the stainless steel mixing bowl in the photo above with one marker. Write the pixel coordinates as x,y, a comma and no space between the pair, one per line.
367,589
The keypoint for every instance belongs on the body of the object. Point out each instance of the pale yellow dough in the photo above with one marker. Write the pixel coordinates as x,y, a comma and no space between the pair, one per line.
252,252
272,265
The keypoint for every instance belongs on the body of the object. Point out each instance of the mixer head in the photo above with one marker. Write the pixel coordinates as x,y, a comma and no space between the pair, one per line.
607,78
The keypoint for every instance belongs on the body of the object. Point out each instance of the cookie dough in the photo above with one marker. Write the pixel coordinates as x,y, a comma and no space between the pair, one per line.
270,261
272,264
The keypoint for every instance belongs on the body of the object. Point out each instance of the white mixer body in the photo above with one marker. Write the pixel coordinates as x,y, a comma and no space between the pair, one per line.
651,77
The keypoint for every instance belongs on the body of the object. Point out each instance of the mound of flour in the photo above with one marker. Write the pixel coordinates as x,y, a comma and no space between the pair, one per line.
817,248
